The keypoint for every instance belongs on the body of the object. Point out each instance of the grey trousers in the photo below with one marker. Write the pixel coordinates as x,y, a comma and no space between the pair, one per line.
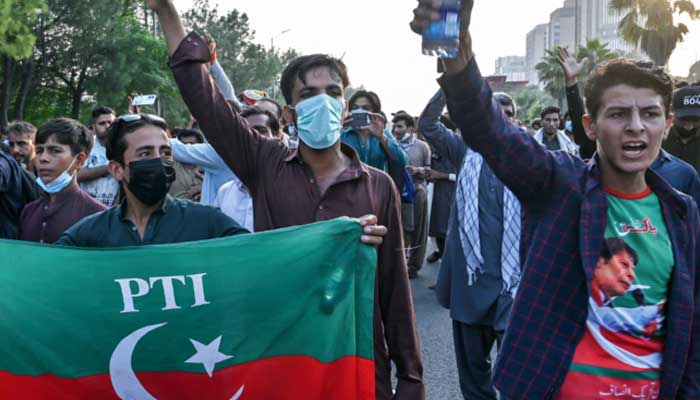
416,239
473,344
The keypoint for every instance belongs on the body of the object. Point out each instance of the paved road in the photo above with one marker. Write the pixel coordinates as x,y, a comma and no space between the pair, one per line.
435,330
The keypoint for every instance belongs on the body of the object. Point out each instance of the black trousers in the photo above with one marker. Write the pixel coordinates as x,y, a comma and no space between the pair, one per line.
473,344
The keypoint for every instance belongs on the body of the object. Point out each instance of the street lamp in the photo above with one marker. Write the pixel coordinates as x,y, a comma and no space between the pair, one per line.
272,40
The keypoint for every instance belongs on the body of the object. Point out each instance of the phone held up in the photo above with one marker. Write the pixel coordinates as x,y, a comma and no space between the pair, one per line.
360,119
146,100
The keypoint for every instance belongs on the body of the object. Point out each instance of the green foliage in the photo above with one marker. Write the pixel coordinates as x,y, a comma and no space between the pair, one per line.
552,76
531,101
98,52
650,24
16,20
535,111
248,65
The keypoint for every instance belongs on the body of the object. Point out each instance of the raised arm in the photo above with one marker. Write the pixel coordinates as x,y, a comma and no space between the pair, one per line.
239,146
445,141
202,155
572,69
690,383
522,164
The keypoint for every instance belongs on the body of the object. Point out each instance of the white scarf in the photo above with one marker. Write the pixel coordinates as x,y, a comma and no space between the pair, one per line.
468,214
564,142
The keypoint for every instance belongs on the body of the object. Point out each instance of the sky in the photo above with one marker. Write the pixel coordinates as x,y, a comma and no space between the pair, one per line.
384,55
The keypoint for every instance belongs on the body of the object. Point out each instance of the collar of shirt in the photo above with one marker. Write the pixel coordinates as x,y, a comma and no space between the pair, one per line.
659,186
121,212
357,168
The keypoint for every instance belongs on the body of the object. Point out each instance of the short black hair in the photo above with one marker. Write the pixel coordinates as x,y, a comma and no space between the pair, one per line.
300,66
100,110
68,132
409,120
613,246
272,122
116,135
21,128
182,133
277,105
622,71
551,110
371,96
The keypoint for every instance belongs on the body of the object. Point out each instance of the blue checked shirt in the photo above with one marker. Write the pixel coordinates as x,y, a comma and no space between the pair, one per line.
564,219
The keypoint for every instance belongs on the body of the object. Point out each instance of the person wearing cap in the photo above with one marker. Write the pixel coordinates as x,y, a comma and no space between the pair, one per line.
683,140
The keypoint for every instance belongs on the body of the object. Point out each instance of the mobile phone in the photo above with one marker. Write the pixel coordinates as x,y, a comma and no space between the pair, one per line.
146,100
360,119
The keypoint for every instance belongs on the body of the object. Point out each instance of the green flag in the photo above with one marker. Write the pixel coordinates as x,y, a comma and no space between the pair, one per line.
279,315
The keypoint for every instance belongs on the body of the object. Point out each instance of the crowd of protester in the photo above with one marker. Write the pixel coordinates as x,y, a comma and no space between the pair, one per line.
526,216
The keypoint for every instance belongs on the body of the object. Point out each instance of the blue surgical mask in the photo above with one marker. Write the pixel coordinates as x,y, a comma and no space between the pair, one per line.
58,184
319,121
569,126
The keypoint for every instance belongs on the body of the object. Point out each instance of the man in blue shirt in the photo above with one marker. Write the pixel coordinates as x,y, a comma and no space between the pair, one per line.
375,144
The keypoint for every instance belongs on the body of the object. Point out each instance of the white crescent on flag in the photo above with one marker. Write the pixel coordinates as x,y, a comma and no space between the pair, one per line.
124,380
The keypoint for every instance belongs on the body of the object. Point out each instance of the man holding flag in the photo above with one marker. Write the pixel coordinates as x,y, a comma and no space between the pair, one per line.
321,180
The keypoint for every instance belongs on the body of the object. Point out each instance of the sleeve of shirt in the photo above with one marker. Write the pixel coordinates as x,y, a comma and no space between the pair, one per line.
693,189
222,81
243,149
445,141
427,155
521,163
221,225
5,173
690,383
202,155
68,238
396,304
400,157
577,109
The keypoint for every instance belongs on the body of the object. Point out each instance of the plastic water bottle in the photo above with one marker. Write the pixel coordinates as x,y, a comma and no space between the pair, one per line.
441,39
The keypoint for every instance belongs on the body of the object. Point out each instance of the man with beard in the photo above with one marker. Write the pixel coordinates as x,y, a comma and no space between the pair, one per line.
684,139
20,140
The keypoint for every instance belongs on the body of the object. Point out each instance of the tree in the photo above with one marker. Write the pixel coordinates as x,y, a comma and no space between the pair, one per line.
531,101
650,24
16,19
248,65
551,74
16,41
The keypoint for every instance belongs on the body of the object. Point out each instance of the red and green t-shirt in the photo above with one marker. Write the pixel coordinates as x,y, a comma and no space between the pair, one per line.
621,353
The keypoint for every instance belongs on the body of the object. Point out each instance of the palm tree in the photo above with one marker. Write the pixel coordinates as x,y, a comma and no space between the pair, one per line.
595,52
650,24
552,76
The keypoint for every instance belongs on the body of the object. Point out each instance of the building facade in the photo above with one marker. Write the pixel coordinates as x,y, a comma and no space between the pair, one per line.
514,68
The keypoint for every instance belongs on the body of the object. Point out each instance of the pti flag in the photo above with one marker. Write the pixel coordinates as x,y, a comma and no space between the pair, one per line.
279,315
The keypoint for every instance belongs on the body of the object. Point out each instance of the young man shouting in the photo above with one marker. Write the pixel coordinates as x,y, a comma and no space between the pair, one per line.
559,345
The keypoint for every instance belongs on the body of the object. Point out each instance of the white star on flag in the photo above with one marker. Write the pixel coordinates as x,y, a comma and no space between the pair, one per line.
208,355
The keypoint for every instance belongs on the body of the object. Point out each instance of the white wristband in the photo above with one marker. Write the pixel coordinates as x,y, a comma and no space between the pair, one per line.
453,178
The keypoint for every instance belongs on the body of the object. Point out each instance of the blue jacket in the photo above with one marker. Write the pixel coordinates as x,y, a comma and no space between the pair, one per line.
372,153
565,216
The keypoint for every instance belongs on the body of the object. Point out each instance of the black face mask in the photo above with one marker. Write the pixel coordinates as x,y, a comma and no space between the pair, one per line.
150,180
686,133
